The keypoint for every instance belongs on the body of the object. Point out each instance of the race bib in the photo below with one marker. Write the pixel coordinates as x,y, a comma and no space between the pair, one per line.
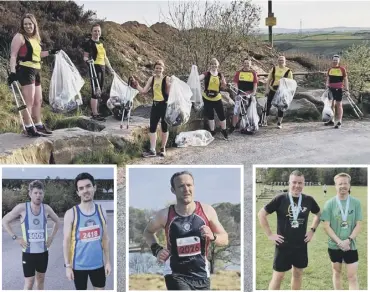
36,235
188,246
90,233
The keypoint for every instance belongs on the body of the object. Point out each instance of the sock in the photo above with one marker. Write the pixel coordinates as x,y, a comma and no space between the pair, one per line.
152,149
28,126
38,124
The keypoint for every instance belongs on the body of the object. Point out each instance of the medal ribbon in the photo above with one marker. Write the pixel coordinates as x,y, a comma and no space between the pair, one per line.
295,210
345,213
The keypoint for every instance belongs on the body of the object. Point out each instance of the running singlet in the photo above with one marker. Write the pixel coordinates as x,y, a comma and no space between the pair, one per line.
336,77
246,80
212,86
29,55
96,51
87,233
157,89
187,247
279,73
34,230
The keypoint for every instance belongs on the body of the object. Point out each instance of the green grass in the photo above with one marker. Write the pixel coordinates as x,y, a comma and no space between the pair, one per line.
318,274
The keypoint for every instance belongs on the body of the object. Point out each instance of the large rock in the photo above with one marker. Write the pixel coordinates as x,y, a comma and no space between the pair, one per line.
18,149
302,110
299,110
67,144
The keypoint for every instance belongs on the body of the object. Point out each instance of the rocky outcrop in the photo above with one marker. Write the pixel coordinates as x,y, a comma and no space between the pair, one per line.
67,144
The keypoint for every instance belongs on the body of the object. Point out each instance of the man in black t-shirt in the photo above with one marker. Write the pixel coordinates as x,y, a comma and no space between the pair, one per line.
292,210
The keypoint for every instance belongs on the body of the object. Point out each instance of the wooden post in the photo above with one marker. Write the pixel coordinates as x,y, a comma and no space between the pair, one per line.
270,14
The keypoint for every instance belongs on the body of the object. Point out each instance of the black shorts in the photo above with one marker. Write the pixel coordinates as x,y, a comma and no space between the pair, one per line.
97,278
218,106
27,75
339,256
157,114
34,262
287,257
336,94
179,282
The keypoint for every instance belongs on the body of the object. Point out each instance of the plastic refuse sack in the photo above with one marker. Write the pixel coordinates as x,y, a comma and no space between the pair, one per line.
121,97
327,112
325,96
194,84
285,93
178,104
121,92
194,138
65,84
252,116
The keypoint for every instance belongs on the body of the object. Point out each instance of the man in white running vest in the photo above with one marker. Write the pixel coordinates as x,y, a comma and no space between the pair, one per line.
34,240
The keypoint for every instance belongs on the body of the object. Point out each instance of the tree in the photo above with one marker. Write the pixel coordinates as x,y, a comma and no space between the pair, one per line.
357,61
211,29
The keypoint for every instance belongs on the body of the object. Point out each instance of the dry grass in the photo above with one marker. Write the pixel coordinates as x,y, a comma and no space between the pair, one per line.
222,280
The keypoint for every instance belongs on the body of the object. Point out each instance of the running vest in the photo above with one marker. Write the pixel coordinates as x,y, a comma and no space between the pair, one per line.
336,76
34,230
187,246
86,243
246,80
159,89
29,55
278,73
212,86
96,51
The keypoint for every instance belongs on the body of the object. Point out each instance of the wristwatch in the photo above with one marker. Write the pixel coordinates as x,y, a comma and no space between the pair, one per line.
313,229
67,266
215,237
14,237
350,239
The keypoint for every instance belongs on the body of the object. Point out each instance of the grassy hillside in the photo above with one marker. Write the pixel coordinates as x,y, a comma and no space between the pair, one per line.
324,44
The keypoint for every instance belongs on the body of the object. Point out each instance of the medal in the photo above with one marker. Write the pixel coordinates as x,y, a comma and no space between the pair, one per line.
344,214
295,224
295,210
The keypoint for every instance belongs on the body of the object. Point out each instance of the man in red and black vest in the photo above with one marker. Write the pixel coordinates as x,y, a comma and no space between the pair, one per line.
336,82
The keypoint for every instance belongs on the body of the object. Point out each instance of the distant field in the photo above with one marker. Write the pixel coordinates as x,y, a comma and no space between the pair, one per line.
318,43
222,280
318,274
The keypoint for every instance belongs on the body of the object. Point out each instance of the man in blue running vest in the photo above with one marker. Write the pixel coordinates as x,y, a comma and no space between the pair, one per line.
190,227
86,241
34,241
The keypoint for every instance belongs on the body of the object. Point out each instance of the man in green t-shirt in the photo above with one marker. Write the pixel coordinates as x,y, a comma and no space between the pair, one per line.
342,218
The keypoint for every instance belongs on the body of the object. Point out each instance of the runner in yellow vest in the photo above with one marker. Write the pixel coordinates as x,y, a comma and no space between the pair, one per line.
212,98
272,84
95,53
25,66
160,85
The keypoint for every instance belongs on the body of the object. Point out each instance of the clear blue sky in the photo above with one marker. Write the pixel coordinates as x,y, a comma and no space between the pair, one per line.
53,172
314,14
150,188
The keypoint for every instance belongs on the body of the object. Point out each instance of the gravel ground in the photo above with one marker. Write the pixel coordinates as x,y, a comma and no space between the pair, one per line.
308,143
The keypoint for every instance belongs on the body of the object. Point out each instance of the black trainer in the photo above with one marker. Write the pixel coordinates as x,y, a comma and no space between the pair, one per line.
231,130
162,152
213,133
97,117
31,132
225,134
44,130
330,123
338,125
150,153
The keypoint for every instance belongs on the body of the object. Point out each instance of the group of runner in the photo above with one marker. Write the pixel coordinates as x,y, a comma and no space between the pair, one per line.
25,65
341,217
85,237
